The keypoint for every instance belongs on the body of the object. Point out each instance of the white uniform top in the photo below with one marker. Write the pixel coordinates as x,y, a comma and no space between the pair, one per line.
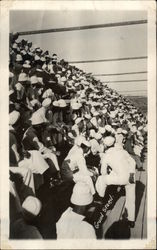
77,160
119,160
36,162
72,226
42,113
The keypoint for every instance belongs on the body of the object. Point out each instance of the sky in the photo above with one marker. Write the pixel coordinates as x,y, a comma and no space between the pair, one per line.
94,44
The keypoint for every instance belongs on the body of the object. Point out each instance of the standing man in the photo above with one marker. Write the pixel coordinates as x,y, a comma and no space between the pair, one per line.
75,160
118,168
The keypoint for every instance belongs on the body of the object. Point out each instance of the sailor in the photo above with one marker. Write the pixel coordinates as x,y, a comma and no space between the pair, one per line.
118,168
72,224
32,142
75,160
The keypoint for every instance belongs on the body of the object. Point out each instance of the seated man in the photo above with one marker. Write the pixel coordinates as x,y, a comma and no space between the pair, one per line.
72,224
24,207
23,164
32,143
24,179
14,154
93,158
121,172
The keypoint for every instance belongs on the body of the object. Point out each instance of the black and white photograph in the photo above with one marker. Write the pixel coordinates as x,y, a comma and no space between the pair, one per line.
79,146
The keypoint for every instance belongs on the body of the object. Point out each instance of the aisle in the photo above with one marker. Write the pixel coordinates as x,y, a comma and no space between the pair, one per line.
140,229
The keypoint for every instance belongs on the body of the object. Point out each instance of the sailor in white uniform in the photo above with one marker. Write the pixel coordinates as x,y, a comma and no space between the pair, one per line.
122,172
72,225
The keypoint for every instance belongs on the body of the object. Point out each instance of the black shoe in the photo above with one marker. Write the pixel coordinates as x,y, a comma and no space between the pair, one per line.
141,169
131,223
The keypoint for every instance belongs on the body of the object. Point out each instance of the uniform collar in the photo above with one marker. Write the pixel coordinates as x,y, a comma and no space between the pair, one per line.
74,215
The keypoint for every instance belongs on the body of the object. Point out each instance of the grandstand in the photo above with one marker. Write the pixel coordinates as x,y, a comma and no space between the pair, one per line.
52,104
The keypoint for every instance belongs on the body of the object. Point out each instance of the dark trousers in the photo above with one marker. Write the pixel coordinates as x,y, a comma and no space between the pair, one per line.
66,172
